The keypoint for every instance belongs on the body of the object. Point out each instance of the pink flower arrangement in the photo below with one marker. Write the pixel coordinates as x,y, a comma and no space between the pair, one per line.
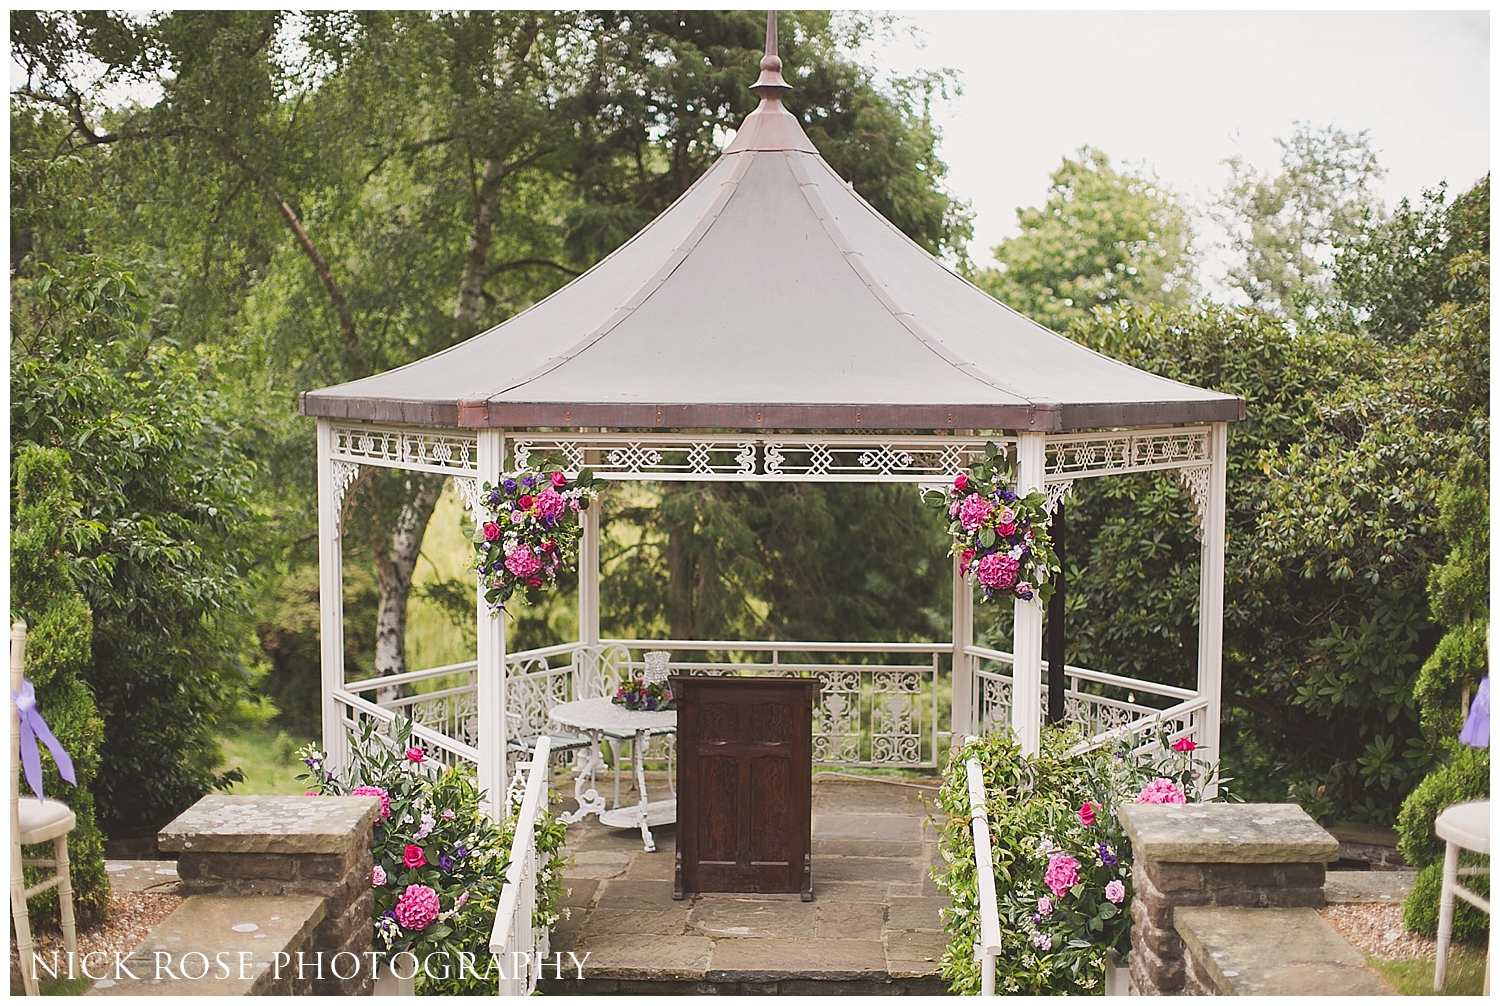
533,532
417,907
1161,791
1000,537
1062,874
378,877
1114,892
385,798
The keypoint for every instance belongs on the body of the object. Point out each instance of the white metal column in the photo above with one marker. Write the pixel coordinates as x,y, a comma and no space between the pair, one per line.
965,719
1026,692
588,576
330,600
1211,592
491,655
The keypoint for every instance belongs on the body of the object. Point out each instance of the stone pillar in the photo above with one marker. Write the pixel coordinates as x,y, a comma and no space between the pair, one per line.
1248,855
288,845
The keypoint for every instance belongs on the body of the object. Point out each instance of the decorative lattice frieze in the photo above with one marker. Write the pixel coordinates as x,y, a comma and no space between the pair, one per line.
1088,454
442,451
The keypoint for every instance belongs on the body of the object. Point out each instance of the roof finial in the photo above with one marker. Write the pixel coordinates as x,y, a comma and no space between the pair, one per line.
771,85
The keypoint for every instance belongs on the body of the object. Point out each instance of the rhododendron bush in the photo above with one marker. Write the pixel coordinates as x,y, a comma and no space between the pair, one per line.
1062,861
439,860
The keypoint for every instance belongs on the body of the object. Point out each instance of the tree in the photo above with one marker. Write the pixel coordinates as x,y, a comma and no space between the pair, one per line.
1103,237
42,593
157,550
1286,226
1389,276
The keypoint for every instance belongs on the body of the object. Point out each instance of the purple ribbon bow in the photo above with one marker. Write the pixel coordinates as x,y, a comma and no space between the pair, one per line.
1476,731
32,727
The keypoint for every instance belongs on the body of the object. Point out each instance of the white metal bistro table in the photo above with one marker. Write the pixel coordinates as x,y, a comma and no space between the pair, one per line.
593,717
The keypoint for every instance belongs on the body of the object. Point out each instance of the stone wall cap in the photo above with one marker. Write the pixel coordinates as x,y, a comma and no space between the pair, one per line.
328,825
1226,833
1274,951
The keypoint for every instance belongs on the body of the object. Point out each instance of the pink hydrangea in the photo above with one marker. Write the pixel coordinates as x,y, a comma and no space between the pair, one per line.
1114,891
1161,791
1062,873
522,563
973,511
385,798
417,907
549,503
998,571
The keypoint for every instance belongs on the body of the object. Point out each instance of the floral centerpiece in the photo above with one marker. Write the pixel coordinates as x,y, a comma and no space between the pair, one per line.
440,861
650,690
1000,538
533,533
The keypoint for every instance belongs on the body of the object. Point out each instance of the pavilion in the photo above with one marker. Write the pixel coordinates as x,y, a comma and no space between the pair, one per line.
772,326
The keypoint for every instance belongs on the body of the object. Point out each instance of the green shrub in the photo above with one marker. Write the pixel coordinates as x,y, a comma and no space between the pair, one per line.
1465,777
1470,925
60,626
463,856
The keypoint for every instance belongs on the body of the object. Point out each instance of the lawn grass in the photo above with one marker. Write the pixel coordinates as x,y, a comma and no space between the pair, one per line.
268,758
1414,977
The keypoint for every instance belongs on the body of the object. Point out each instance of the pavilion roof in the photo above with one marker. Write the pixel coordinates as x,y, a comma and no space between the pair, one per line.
770,295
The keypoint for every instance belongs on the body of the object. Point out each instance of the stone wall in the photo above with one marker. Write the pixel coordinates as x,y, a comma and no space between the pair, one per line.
1220,855
288,846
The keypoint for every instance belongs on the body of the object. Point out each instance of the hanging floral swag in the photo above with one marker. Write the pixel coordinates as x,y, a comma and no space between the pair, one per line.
1000,538
533,534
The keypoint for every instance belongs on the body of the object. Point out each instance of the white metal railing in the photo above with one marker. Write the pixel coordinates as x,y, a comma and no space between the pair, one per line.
987,947
1135,707
515,938
353,710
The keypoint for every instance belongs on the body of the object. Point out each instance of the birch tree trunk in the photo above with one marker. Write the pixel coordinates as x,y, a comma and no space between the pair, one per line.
396,549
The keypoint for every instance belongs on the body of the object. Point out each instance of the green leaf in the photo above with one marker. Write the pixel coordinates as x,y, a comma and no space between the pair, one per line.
987,537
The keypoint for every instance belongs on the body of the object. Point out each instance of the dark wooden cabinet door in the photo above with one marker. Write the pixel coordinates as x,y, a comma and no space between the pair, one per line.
744,785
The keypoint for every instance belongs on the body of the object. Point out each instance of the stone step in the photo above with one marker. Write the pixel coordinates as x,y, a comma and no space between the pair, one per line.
219,945
787,987
1270,952
1347,887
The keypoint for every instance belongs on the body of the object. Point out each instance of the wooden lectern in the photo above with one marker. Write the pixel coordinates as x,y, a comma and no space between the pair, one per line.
744,785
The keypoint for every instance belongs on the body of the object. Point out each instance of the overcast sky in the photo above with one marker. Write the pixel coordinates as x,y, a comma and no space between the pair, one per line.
1178,92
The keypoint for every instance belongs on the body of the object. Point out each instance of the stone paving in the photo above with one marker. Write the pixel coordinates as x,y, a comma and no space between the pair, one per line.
873,924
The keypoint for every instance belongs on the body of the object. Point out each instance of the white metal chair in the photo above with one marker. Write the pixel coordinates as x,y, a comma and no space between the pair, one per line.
1462,826
33,822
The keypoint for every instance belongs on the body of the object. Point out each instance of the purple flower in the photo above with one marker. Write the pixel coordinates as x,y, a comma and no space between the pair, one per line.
445,864
460,851
1041,941
510,486
528,482
1106,855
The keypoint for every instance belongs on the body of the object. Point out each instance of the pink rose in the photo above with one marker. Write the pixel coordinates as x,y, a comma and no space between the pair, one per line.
1114,892
378,877
1185,744
961,482
1161,791
447,815
416,755
1024,590
974,511
518,516
491,531
413,857
967,557
522,563
1086,814
1007,525
525,502
998,571
417,907
559,479
1044,905
1062,873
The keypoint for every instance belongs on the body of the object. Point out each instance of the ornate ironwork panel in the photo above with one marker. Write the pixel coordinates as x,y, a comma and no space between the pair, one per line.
1080,455
413,449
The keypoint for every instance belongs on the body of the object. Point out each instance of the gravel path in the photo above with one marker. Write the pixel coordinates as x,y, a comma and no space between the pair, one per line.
1377,930
132,915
